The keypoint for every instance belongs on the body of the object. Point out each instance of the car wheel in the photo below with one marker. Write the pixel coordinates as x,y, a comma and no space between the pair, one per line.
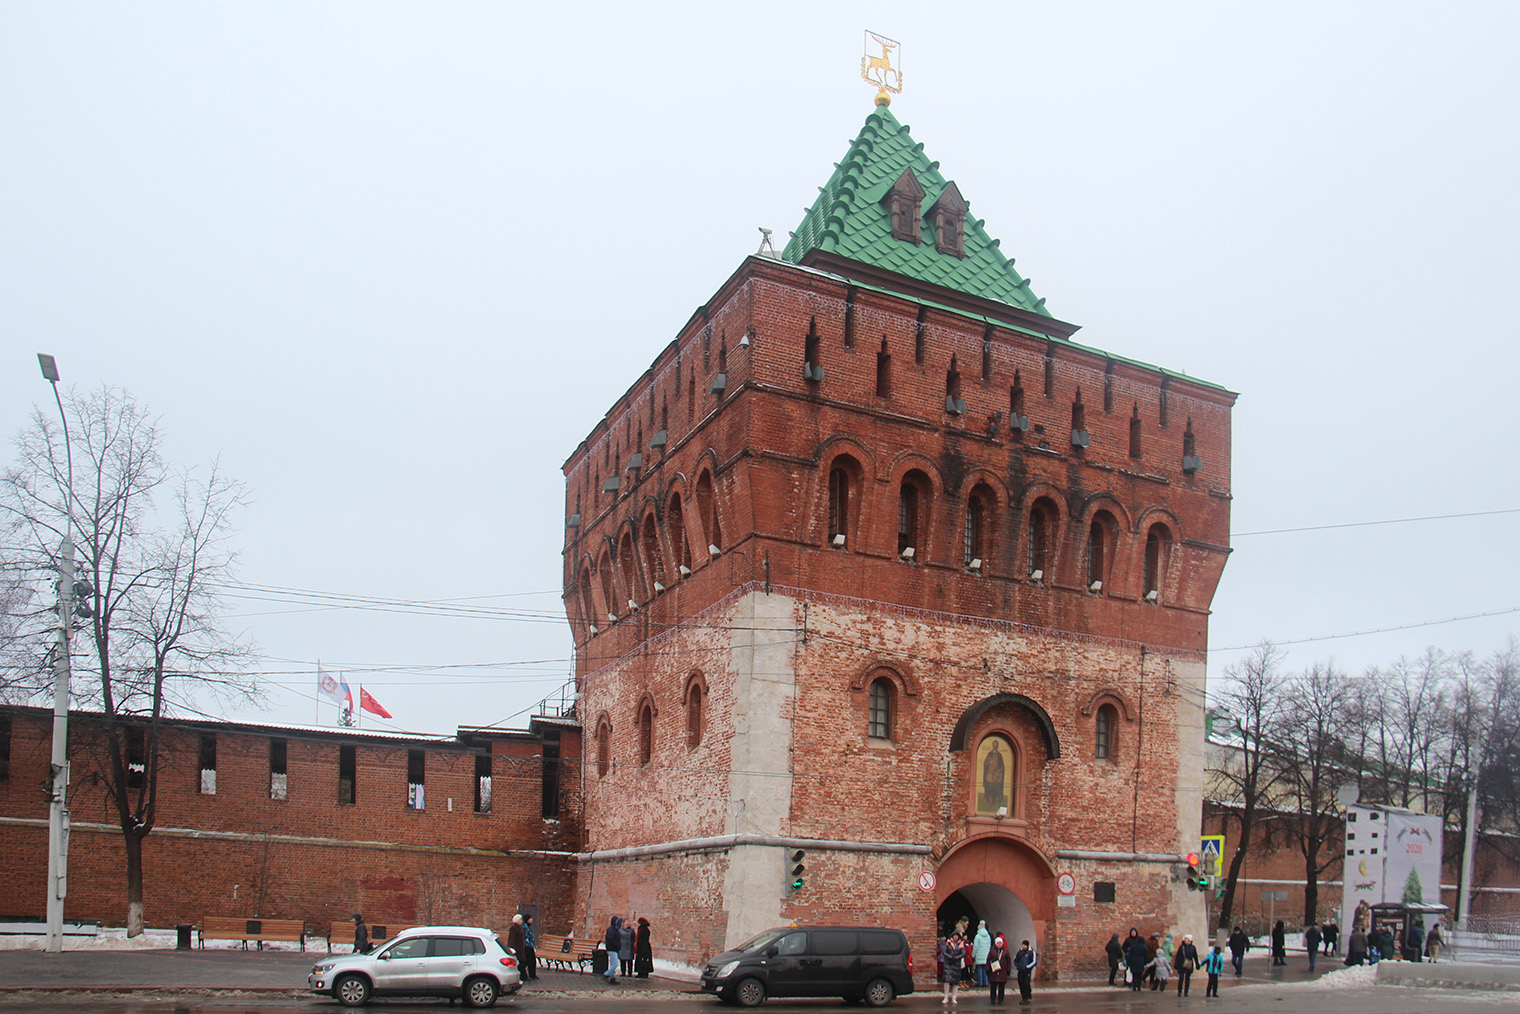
879,993
749,993
480,992
352,990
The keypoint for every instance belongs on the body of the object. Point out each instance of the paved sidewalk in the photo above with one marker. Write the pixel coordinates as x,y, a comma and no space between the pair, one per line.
197,971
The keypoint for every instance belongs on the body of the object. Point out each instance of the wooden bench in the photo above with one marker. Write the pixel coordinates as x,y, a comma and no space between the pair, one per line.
258,930
343,932
568,954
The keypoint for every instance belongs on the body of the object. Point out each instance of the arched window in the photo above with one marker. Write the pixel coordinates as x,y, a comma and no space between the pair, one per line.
912,514
696,690
646,731
707,510
1041,539
654,563
675,529
1158,547
1105,725
977,540
609,594
588,602
629,569
603,747
839,505
995,777
882,694
1101,535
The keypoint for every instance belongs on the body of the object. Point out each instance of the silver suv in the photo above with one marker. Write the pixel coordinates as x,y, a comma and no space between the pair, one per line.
447,961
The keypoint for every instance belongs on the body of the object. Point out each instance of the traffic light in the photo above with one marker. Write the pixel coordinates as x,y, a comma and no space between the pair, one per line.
1192,876
796,865
84,597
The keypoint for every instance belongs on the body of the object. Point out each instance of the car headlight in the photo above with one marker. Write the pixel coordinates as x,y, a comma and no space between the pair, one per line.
321,969
727,970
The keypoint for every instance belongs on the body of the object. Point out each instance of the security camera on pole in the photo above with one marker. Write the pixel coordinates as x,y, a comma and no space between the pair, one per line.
71,598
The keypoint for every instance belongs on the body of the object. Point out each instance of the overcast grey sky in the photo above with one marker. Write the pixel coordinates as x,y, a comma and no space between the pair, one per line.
392,261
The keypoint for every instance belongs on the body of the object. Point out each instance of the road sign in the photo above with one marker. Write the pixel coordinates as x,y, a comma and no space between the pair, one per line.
926,881
1213,845
1066,884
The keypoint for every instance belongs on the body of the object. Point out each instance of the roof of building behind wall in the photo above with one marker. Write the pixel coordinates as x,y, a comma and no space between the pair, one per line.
850,220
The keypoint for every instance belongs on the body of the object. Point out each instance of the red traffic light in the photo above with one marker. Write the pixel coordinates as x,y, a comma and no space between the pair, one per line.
1192,858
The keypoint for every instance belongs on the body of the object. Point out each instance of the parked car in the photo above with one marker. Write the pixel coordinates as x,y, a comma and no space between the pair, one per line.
854,962
458,962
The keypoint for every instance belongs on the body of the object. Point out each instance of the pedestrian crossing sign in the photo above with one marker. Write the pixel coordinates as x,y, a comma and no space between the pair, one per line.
1213,847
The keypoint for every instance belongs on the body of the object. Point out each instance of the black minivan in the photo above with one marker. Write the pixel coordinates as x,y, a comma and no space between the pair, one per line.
855,962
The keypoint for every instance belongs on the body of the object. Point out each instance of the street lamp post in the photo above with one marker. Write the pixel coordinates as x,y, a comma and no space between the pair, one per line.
58,813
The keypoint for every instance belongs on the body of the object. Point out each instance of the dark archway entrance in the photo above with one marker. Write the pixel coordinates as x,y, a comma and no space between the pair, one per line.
1002,910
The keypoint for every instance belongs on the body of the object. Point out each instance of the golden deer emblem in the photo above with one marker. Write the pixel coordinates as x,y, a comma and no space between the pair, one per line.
880,70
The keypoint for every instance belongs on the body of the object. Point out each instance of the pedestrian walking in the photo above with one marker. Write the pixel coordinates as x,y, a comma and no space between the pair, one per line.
1115,952
1023,963
981,944
1279,944
612,941
530,952
952,958
625,946
1214,965
1135,957
361,936
1332,935
1312,938
1356,947
643,954
1159,970
515,938
1239,943
1185,962
1414,944
1434,941
999,964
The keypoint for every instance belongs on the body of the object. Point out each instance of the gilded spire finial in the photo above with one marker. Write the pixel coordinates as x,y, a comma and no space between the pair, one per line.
884,71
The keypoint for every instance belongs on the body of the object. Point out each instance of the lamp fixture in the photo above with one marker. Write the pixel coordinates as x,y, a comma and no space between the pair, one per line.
1152,595
658,587
1002,812
839,539
685,570
744,340
1095,587
714,551
633,606
573,521
592,627
907,553
975,564
1037,576
612,617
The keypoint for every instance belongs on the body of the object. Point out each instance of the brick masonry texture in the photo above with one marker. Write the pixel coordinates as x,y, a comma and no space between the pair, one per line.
782,628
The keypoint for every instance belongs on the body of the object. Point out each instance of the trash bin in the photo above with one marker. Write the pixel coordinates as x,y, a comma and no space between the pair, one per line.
599,961
184,930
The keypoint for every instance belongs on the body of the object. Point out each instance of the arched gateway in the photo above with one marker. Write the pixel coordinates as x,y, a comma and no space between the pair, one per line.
1000,880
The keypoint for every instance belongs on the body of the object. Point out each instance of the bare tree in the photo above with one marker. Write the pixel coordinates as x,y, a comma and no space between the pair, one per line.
1253,697
153,544
1499,756
1310,753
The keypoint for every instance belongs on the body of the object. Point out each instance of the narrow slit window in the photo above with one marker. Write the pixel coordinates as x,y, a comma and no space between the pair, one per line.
839,505
208,764
137,756
883,372
881,709
603,748
1103,731
694,714
920,333
1050,371
347,789
646,732
1134,434
549,776
482,783
279,785
5,746
416,775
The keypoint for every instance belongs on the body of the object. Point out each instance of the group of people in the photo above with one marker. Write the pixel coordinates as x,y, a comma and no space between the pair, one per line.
1146,959
628,948
982,959
522,939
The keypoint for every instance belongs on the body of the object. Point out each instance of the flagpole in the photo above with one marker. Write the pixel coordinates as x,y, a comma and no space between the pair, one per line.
359,710
316,705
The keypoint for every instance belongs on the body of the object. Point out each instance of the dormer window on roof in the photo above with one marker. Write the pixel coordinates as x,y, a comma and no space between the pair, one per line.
903,202
948,216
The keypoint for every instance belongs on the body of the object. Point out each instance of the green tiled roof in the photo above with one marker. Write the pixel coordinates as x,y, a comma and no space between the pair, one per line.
850,220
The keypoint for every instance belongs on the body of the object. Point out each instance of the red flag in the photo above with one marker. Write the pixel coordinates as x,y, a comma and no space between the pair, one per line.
371,705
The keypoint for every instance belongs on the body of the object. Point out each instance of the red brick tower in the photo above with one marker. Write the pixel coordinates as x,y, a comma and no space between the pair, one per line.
876,564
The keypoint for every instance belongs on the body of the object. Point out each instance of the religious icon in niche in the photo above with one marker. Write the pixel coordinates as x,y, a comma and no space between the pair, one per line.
994,774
